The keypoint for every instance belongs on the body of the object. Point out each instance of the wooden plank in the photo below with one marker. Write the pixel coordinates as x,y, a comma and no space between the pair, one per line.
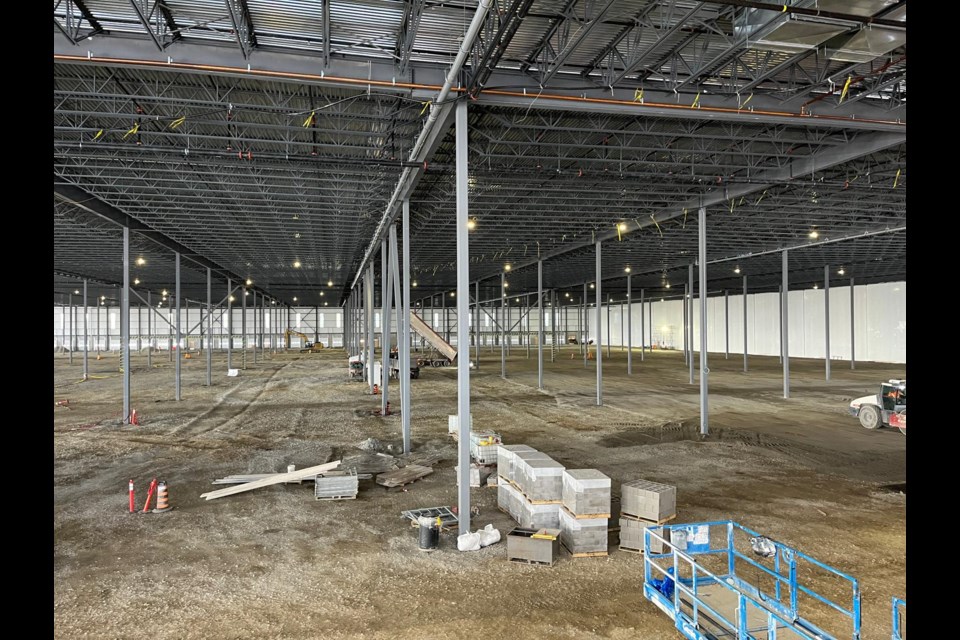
408,474
275,479
629,516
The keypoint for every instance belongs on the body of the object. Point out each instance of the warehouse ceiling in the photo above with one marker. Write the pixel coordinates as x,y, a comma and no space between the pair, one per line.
264,139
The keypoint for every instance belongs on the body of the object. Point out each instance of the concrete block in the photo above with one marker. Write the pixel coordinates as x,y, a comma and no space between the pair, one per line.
586,491
648,500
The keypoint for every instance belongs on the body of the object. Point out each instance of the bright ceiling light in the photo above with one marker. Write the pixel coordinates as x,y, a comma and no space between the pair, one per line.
232,299
736,270
103,297
666,286
453,294
471,224
506,267
246,293
136,281
816,286
567,295
76,292
329,283
294,298
591,286
164,292
626,269
506,284
297,235
324,304
413,284
840,272
622,226
249,282
296,264
814,234
141,262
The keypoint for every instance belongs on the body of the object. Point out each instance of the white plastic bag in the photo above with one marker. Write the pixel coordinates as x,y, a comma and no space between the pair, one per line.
468,542
488,535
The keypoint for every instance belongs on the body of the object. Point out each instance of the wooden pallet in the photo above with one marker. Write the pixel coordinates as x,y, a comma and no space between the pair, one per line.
651,522
585,554
589,516
623,548
536,563
401,477
517,487
353,497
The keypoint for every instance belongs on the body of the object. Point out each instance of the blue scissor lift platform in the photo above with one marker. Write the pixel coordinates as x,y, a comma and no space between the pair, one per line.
719,580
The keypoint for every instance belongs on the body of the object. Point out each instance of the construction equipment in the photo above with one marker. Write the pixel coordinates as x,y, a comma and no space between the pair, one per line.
308,347
438,343
899,420
751,590
395,367
876,410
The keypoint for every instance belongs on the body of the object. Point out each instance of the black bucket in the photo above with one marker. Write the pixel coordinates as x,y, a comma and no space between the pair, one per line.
429,534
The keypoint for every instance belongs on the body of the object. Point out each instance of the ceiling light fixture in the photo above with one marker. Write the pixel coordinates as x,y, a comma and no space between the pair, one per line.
840,272
164,292
329,283
141,262
627,269
76,292
294,298
471,224
296,264
666,286
814,234
736,270
506,267
297,235
249,282
453,294
591,286
136,281
232,299
321,294
622,226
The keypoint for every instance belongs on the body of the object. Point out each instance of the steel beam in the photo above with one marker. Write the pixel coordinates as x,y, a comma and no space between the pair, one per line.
503,332
386,302
643,333
476,326
630,328
745,324
405,406
704,370
125,325
463,310
599,295
397,304
242,26
689,328
583,330
726,324
70,313
853,333
243,328
149,330
371,356
784,328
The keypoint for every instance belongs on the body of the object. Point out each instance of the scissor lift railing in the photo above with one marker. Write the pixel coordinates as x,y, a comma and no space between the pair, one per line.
750,612
899,606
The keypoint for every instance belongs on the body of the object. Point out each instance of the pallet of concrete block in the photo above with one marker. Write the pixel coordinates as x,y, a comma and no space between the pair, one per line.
539,477
507,459
631,535
586,493
478,474
650,501
337,485
483,446
527,514
583,538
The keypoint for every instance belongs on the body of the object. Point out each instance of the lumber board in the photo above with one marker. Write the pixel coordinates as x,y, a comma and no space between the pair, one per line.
408,474
299,474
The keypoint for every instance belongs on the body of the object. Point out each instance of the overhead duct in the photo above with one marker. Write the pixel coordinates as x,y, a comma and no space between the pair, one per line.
790,33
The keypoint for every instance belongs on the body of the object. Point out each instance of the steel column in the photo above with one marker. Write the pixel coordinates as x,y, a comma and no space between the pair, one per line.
744,324
139,327
463,303
726,324
585,340
540,324
689,303
368,290
609,335
229,323
503,324
170,328
405,329
209,328
826,319
125,325
853,333
99,336
256,324
686,345
149,329
70,307
176,293
599,333
243,328
643,328
650,323
386,302
630,328
63,327
784,328
704,370
86,321
476,327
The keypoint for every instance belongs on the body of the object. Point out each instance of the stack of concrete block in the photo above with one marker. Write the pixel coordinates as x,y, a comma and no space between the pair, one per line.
586,492
645,504
337,485
527,514
484,446
507,459
478,474
583,536
539,478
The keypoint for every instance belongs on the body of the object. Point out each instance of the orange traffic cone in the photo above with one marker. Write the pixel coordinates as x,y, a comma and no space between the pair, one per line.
163,500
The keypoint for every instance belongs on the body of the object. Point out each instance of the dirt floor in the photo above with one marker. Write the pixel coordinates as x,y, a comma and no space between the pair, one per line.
276,563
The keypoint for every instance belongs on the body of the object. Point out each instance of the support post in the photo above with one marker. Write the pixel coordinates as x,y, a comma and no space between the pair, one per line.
599,333
704,370
583,330
229,323
726,324
784,329
853,333
386,300
70,342
630,328
149,330
609,335
243,328
503,324
745,350
689,303
125,325
209,328
370,332
643,327
405,330
540,324
86,321
826,319
176,293
463,300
